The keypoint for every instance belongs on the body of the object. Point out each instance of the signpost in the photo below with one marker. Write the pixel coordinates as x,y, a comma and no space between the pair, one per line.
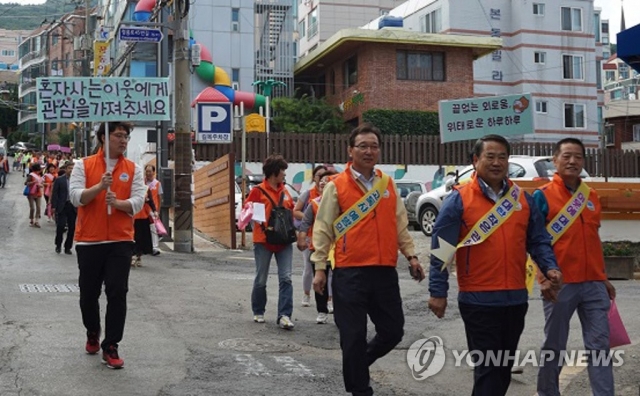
214,122
140,34
472,118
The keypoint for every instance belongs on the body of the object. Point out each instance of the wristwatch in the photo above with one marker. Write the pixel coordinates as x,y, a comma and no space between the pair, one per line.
409,258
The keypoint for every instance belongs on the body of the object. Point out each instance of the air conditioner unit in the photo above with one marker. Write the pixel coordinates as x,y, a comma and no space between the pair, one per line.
196,55
77,43
91,64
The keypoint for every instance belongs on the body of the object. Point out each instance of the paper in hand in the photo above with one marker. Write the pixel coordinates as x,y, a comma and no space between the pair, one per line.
259,212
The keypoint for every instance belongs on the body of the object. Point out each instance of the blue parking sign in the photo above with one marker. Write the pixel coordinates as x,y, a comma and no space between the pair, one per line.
215,123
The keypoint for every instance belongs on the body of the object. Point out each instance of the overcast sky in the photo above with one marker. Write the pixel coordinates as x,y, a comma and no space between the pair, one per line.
611,11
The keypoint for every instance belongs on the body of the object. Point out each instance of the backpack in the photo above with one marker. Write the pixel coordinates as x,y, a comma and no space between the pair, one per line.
280,229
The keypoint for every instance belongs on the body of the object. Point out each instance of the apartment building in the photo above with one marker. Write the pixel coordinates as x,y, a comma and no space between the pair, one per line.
50,50
9,42
320,19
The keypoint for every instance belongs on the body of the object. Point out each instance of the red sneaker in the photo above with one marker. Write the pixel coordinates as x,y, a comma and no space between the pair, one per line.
111,359
93,342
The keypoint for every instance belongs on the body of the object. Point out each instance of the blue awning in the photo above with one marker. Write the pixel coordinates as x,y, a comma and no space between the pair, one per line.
629,47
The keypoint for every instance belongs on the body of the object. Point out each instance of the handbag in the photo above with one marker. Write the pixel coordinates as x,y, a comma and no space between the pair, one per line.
159,227
618,335
245,216
26,190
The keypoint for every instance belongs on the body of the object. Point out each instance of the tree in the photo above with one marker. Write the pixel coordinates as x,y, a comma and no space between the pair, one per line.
306,115
9,114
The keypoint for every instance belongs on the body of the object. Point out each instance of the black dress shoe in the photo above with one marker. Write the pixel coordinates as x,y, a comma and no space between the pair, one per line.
67,251
58,250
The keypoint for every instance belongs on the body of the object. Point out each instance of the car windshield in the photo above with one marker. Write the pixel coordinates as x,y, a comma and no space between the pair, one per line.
406,188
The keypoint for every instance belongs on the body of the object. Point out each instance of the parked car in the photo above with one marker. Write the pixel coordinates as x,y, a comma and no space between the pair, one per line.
521,167
21,146
409,191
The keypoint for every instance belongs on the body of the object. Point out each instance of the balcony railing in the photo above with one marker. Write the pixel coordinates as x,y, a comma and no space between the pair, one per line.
26,115
312,30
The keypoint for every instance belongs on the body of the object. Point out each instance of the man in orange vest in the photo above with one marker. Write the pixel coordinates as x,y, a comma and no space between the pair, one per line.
107,192
586,288
363,216
490,224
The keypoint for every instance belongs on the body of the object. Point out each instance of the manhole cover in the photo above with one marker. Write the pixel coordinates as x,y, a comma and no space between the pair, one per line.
36,288
249,345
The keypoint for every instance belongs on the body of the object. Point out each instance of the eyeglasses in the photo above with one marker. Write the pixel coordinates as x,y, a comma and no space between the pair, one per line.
121,136
364,147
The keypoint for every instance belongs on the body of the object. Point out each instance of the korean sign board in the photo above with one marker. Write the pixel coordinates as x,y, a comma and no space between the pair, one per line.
103,99
214,123
475,117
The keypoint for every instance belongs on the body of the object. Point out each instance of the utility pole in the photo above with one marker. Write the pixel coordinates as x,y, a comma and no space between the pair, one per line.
81,135
163,142
183,219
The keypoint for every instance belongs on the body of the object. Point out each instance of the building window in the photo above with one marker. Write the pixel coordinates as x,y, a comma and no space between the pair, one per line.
605,40
67,58
606,54
313,23
235,19
609,75
539,57
54,40
431,22
8,53
597,23
573,115
351,71
571,19
54,64
636,133
235,78
541,106
605,27
538,9
623,71
572,67
302,28
615,94
425,66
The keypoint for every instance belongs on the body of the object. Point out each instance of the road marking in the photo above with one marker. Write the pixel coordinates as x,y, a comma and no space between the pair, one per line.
292,368
38,288
242,258
251,365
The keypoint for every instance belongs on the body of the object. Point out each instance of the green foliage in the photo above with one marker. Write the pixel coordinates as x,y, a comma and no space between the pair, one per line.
623,248
64,137
8,115
306,115
18,136
403,122
30,17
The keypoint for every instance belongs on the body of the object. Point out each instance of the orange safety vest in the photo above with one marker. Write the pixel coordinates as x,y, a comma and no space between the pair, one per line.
498,263
93,223
579,250
374,240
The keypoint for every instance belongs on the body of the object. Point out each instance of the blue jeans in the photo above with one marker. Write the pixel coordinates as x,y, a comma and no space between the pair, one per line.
259,293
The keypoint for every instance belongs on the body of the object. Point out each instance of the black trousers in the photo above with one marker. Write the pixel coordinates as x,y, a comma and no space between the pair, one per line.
493,329
66,219
110,264
323,299
358,292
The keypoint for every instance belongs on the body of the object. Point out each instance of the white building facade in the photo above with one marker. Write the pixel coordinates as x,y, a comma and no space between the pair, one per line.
320,19
552,49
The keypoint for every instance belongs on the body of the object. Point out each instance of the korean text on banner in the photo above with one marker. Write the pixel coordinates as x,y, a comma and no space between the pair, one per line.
63,99
101,58
473,118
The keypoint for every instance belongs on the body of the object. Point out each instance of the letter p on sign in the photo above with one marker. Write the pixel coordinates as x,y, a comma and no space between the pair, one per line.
215,122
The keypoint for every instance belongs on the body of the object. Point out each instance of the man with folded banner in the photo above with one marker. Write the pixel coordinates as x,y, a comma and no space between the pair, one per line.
572,212
362,214
489,225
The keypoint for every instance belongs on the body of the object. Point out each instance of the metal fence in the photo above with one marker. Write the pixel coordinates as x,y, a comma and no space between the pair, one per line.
405,150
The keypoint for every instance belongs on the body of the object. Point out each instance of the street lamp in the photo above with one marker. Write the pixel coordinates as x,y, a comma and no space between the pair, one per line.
267,90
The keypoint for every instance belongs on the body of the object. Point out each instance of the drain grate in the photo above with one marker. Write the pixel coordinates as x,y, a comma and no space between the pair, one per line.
36,288
252,345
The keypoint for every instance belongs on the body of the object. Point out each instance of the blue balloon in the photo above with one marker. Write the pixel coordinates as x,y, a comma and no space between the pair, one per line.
141,16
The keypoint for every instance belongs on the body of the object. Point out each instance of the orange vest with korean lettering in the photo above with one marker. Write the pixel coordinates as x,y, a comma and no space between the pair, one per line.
93,223
258,233
374,240
498,263
579,250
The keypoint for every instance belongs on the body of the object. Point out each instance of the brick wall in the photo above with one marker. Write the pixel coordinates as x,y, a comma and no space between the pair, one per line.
377,80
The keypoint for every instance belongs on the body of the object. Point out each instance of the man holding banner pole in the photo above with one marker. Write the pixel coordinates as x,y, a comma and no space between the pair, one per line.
363,216
489,225
104,239
572,212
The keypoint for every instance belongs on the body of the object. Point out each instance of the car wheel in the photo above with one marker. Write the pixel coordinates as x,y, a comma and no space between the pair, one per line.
428,220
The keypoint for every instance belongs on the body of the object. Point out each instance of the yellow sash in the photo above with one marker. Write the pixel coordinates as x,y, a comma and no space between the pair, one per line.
487,225
560,224
360,209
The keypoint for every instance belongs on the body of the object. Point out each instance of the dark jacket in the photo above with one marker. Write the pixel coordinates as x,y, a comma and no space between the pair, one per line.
60,194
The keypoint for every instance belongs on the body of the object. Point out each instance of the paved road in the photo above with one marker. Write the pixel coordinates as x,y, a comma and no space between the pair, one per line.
189,329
